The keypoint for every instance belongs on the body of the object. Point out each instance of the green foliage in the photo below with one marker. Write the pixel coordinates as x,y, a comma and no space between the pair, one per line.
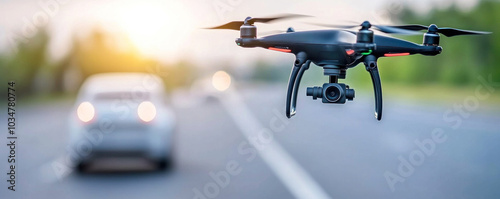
23,65
463,57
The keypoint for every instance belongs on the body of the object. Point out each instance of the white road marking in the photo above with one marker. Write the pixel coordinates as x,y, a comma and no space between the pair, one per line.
294,177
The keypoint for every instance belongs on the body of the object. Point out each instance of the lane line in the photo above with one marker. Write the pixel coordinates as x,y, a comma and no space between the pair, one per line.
288,171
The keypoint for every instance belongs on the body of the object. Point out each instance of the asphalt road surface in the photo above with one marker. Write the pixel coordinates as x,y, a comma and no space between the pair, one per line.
325,151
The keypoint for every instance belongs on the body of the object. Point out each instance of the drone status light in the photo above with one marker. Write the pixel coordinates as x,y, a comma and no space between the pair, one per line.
349,52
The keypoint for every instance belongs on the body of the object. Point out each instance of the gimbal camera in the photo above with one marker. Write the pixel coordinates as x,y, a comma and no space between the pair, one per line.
338,50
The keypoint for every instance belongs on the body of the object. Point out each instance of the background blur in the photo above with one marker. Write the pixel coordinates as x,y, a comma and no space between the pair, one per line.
49,47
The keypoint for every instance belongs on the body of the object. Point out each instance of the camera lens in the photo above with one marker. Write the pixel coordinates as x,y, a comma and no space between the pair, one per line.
333,93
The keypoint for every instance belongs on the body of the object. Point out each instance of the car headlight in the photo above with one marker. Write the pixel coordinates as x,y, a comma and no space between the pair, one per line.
146,111
221,80
85,112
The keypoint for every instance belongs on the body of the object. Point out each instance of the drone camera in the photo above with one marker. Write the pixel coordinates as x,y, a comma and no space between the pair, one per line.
332,93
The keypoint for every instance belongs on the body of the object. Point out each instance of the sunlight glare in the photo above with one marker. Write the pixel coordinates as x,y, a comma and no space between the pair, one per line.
155,27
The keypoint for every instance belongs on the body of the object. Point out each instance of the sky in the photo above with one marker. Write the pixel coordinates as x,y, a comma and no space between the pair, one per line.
171,30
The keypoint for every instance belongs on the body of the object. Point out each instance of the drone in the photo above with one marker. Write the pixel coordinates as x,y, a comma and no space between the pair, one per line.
336,50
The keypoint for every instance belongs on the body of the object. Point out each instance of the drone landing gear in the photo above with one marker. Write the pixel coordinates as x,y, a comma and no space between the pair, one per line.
332,92
372,68
300,66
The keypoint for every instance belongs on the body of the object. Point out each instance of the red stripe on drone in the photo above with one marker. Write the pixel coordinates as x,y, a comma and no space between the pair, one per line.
280,49
395,54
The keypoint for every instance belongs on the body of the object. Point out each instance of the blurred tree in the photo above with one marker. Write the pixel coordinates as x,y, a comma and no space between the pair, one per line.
180,74
24,64
99,53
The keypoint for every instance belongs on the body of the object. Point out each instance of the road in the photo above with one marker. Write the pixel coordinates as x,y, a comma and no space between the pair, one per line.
342,150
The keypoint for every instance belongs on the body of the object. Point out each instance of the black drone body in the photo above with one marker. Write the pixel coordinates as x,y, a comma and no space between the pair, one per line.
336,51
336,47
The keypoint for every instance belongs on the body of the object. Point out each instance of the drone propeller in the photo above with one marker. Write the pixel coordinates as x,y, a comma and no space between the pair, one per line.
411,29
235,25
449,32
381,28
335,26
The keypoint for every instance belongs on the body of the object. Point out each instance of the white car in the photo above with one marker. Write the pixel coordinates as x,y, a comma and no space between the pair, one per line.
122,115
